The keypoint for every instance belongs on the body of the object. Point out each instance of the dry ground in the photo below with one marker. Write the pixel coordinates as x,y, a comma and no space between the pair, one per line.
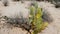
52,28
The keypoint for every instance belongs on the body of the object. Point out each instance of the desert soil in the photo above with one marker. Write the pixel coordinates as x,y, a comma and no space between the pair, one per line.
52,28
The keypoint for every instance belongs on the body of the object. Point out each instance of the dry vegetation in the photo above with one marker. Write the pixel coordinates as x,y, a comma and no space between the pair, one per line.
16,7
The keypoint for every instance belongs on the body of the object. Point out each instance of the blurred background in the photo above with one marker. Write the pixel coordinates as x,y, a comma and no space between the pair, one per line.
13,8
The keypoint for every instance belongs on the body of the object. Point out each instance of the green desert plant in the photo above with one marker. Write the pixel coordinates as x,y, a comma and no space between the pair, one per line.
36,20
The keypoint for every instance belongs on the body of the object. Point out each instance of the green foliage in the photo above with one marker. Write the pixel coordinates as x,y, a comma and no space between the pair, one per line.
36,19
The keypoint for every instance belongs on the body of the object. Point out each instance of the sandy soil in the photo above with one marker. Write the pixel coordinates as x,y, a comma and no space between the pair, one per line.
52,28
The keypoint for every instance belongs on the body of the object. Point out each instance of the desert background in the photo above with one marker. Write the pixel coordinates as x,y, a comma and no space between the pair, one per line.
52,28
